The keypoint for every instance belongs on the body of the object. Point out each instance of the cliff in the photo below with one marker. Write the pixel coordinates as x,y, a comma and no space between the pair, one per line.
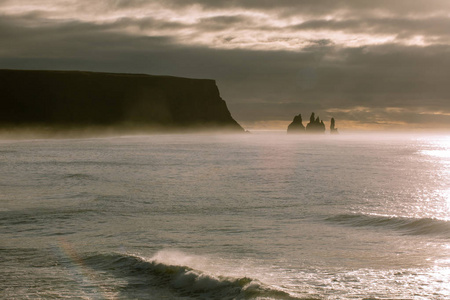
71,99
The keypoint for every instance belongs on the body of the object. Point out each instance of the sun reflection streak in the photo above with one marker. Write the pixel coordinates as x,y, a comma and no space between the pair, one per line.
441,276
436,150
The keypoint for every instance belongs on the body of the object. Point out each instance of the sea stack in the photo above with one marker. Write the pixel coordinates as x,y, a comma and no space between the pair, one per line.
333,130
296,126
315,125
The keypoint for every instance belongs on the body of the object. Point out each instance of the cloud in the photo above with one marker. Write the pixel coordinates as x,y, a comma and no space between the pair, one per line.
259,25
270,61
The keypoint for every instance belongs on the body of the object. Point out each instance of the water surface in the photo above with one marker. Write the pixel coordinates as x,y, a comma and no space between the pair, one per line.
257,216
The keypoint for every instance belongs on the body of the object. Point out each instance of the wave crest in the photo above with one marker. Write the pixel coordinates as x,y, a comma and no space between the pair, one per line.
181,281
409,226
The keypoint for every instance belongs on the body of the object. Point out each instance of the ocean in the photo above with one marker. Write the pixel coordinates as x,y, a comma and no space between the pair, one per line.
202,216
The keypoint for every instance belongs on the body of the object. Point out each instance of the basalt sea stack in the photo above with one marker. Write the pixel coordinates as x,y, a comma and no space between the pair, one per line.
71,99
315,125
297,125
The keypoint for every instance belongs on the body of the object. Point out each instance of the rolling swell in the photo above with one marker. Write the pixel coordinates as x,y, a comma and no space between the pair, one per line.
146,278
408,226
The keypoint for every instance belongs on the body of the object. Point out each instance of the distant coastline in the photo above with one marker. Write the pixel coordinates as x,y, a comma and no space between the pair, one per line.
77,102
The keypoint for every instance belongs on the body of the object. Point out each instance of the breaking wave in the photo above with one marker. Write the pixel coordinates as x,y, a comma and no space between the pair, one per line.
408,226
153,277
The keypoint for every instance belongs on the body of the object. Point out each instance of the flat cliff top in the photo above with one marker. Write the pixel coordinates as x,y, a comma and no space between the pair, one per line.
80,72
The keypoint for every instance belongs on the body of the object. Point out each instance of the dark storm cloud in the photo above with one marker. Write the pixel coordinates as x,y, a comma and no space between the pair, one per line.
68,39
395,80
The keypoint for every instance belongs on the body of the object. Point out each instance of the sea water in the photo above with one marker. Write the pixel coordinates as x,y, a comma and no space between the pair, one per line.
204,216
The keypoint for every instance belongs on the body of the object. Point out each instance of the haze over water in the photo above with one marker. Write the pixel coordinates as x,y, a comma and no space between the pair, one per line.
257,216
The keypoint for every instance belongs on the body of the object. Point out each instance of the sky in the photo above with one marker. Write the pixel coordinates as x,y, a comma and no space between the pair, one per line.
375,65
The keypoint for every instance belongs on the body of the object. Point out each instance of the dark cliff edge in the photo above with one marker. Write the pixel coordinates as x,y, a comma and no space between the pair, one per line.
71,100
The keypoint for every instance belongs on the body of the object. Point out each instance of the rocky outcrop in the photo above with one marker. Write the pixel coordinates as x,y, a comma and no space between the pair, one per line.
315,125
297,125
333,130
72,99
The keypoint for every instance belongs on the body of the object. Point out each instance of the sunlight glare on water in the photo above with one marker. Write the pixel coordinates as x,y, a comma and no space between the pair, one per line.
440,148
437,152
